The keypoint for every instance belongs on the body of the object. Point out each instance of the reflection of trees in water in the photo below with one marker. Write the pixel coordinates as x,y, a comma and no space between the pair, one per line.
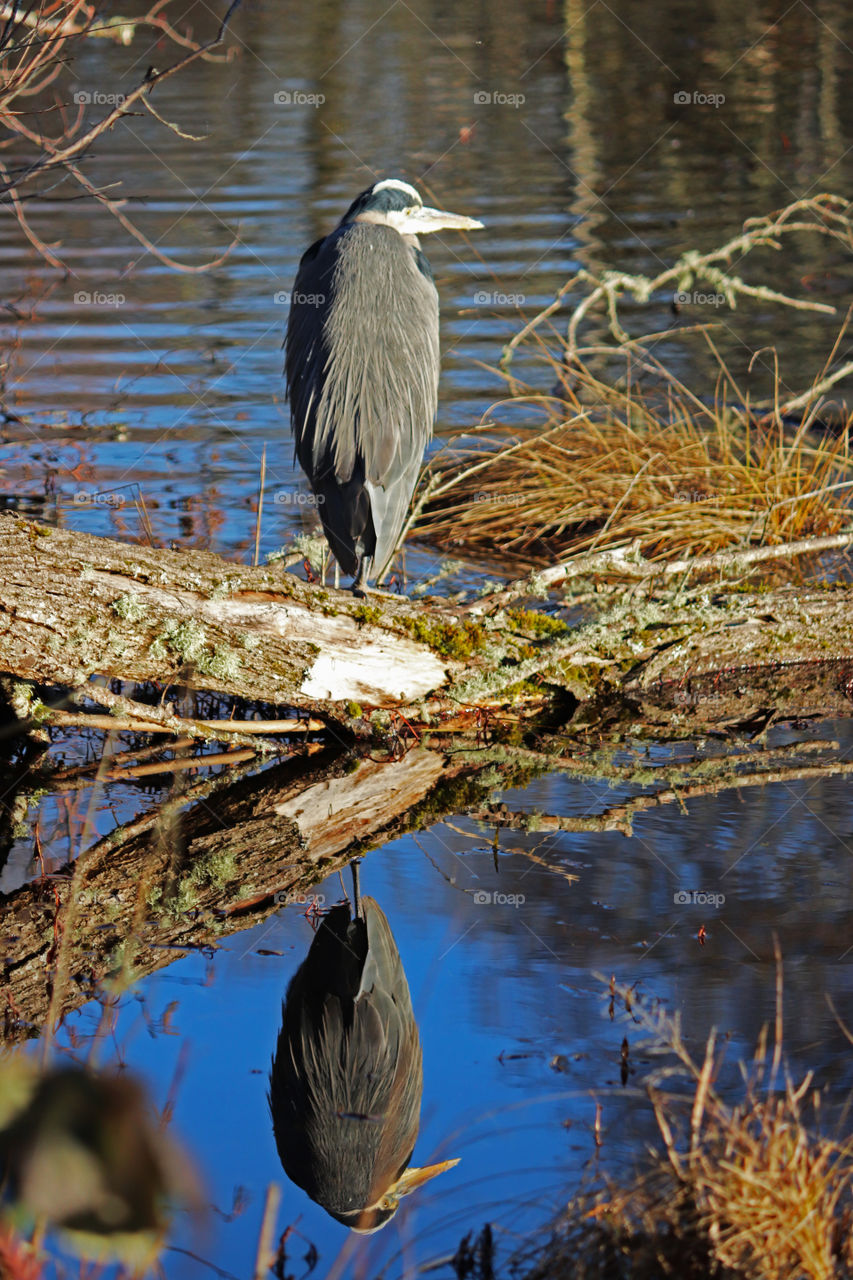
653,174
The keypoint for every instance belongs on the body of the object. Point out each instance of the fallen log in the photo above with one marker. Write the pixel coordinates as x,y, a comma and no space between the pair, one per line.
197,868
75,606
79,611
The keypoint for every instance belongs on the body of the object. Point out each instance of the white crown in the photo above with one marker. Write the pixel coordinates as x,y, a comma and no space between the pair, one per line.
396,185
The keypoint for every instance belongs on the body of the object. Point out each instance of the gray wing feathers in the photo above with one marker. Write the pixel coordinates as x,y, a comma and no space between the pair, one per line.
347,1077
305,353
362,361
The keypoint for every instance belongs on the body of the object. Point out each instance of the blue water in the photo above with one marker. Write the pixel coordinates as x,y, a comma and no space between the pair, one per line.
501,988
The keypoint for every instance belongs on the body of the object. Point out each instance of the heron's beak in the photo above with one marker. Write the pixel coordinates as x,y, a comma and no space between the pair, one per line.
414,1178
426,220
367,1224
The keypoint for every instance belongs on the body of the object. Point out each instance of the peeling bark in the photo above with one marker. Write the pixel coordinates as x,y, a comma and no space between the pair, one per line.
74,606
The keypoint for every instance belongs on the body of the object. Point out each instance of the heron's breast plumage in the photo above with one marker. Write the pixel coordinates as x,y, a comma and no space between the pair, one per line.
374,371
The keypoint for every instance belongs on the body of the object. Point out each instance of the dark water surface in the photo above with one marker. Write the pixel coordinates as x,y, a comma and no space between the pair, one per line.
559,127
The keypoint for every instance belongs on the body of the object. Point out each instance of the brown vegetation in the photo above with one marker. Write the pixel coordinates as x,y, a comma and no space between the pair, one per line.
747,1190
609,466
624,452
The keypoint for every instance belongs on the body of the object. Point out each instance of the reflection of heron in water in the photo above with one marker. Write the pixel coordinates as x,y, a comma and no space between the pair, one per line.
347,1078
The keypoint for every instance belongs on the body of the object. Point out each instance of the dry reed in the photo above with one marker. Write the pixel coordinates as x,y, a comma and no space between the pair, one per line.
751,1190
607,465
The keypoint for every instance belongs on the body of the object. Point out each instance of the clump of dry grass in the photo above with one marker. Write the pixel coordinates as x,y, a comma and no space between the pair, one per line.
606,465
751,1190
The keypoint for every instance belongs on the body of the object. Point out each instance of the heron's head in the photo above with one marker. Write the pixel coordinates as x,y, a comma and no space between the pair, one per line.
392,203
375,1216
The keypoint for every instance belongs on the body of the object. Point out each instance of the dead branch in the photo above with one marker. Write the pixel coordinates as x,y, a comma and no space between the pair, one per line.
41,55
629,564
825,214
620,817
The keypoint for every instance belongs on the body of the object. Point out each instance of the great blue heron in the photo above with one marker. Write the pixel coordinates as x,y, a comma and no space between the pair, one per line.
362,364
346,1079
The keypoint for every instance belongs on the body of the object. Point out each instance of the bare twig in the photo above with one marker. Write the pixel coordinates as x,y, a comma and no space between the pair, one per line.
40,56
825,214
181,764
620,817
266,1254
259,516
140,718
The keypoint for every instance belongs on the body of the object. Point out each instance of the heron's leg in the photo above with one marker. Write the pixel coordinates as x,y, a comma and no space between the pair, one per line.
356,895
359,585
337,576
